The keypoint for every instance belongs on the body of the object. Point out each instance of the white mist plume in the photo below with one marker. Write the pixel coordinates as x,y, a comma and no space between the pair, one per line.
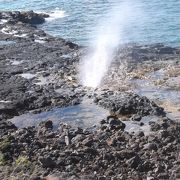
95,64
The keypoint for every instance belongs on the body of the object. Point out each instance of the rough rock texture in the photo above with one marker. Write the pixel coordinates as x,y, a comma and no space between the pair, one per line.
24,17
39,72
106,153
33,67
128,104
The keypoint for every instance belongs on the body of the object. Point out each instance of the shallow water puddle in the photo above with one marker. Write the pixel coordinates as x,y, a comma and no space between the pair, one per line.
166,95
41,81
27,75
133,126
14,62
39,41
2,101
6,42
67,56
86,114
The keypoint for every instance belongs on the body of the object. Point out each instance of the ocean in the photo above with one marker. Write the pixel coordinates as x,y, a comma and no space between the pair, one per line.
154,21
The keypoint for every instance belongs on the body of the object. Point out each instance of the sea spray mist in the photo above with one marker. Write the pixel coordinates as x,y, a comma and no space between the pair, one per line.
95,64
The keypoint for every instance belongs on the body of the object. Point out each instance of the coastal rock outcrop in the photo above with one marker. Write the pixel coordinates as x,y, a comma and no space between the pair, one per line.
29,17
38,72
128,104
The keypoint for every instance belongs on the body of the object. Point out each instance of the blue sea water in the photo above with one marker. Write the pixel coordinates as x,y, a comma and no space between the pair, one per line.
154,21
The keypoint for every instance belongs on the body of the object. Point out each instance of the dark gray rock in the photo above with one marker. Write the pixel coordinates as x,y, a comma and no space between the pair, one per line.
152,146
36,178
46,124
130,104
163,176
136,118
88,142
25,17
167,50
115,123
134,162
47,162
6,127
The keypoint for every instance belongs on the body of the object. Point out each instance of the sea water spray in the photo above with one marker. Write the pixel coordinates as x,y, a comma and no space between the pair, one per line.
109,32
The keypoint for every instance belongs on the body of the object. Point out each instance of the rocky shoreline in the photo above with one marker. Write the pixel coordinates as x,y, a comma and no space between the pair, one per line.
39,72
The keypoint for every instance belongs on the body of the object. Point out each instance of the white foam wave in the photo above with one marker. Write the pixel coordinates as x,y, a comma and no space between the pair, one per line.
20,35
56,14
2,101
8,30
3,21
39,41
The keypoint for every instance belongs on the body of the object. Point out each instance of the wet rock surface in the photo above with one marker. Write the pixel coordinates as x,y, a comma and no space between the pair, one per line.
24,17
122,104
38,72
33,68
